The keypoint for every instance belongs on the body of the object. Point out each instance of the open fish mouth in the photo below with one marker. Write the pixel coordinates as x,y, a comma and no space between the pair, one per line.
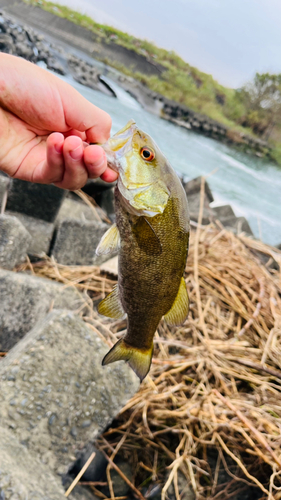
119,144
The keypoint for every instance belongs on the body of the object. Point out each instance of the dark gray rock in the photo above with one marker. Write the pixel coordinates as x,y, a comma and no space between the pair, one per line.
14,242
24,50
56,370
194,206
120,487
22,476
223,212
97,467
76,242
4,186
36,200
194,187
76,210
53,64
25,300
6,43
185,489
237,225
41,233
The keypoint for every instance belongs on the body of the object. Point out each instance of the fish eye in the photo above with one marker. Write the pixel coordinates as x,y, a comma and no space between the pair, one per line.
147,154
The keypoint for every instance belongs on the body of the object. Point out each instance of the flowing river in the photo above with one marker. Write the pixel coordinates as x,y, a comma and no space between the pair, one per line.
252,186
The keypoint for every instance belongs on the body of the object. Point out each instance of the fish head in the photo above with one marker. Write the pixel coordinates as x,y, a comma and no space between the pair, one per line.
141,170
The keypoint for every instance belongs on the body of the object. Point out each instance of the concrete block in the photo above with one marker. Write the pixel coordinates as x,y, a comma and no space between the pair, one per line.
41,233
22,476
194,186
76,242
25,300
36,200
223,212
55,395
194,206
14,242
75,210
237,225
4,185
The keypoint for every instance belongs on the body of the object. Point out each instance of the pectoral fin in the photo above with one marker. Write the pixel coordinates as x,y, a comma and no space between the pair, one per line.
146,237
111,306
179,310
109,242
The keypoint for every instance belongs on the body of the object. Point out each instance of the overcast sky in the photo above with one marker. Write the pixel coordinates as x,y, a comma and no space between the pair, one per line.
230,39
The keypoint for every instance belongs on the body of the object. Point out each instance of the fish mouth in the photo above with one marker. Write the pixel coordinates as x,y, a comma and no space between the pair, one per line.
119,144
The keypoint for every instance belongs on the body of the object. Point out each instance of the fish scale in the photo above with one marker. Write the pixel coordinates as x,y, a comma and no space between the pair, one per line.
152,224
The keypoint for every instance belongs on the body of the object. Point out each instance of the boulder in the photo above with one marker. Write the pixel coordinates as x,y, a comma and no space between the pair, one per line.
6,43
4,186
193,189
76,210
223,212
76,242
237,225
36,200
14,241
25,300
41,233
52,381
22,476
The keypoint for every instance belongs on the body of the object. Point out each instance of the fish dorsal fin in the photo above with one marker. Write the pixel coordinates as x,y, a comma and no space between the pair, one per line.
146,237
179,310
109,242
111,306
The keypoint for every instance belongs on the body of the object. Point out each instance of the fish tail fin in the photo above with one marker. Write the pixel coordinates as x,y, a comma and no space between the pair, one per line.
138,359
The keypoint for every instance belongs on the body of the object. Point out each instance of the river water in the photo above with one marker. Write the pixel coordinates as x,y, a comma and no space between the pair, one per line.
251,185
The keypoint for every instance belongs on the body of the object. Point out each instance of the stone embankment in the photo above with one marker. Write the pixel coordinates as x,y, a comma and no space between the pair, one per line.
28,43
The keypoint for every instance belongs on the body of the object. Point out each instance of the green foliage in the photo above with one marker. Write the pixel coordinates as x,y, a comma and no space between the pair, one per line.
254,109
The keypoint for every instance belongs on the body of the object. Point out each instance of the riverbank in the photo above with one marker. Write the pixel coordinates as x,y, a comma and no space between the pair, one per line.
72,36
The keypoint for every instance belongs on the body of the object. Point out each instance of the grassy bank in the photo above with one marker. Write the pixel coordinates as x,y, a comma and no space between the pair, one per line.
178,80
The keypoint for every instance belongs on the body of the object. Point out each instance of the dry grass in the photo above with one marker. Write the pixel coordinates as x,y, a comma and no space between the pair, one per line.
212,400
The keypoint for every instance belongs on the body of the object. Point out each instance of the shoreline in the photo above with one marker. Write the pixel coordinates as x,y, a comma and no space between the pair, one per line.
86,72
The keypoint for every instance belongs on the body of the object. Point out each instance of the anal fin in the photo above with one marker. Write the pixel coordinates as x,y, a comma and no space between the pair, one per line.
179,310
111,306
110,241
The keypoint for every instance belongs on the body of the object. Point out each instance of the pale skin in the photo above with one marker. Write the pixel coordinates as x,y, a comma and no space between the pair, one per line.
46,127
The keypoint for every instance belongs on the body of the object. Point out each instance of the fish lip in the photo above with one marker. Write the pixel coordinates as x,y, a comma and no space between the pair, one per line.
118,145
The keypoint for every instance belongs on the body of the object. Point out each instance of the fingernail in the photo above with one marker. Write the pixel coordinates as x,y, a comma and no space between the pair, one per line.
76,153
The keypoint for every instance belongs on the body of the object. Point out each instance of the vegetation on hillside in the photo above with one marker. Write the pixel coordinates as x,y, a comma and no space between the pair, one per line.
254,109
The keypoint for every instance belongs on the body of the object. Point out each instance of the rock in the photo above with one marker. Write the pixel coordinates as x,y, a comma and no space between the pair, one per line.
106,202
4,186
97,467
25,300
76,242
120,487
53,64
76,210
110,267
223,212
55,380
22,476
36,200
24,50
237,225
185,489
41,233
6,43
14,242
194,187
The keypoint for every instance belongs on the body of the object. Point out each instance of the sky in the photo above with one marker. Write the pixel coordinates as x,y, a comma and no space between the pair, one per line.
230,39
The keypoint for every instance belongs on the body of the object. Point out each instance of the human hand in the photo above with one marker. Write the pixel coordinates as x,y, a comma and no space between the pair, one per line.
45,128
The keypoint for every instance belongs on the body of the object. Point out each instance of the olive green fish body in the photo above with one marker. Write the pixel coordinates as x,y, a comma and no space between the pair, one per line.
149,274
151,234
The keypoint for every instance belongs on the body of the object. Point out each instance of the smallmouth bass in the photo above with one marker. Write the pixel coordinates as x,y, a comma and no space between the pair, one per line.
151,234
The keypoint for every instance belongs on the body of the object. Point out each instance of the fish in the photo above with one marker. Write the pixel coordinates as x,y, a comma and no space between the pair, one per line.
151,235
